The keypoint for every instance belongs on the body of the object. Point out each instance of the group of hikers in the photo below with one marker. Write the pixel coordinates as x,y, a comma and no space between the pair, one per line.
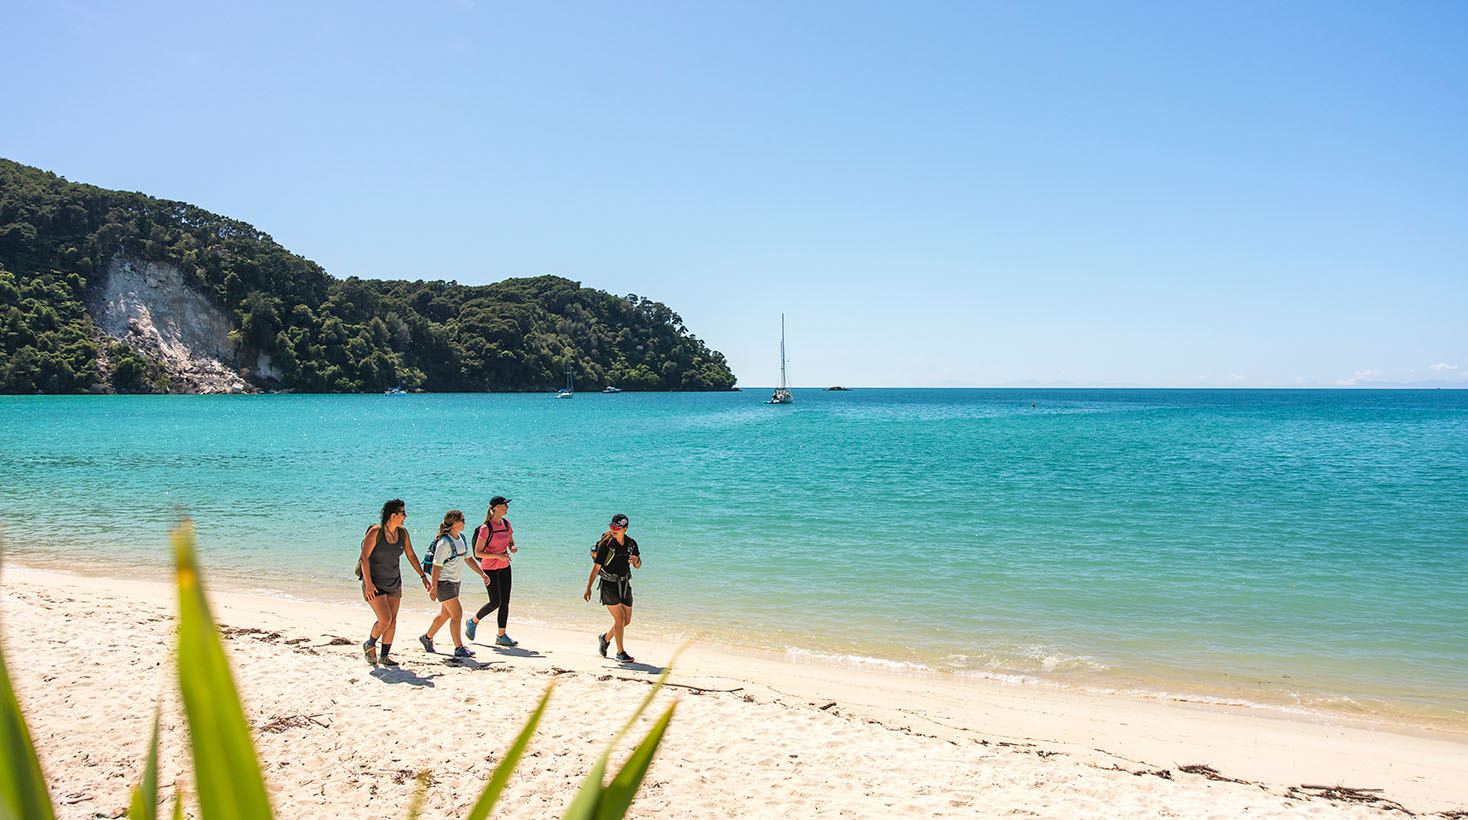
380,568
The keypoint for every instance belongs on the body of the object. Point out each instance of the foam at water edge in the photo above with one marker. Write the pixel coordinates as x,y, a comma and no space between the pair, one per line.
856,661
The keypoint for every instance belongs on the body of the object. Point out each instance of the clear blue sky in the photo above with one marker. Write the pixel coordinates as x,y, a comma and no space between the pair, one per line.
1168,194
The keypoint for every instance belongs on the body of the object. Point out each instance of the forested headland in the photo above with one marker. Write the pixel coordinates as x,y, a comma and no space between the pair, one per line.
319,333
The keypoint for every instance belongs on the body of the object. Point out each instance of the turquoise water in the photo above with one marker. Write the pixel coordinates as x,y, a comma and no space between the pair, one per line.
1296,549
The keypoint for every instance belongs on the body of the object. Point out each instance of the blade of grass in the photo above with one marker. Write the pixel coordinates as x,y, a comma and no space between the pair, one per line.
226,771
506,767
23,794
588,797
145,796
616,798
420,790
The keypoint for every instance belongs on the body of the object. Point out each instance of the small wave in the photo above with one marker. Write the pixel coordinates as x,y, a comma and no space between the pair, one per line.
856,661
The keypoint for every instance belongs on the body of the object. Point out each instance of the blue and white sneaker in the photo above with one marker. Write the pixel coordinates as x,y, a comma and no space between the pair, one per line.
506,640
470,628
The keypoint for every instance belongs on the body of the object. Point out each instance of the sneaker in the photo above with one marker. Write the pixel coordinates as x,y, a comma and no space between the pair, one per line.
603,643
623,657
470,627
463,652
386,661
427,643
506,640
369,649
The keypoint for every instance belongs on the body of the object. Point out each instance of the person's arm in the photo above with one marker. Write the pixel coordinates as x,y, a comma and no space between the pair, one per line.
417,565
433,585
478,570
512,547
595,569
369,542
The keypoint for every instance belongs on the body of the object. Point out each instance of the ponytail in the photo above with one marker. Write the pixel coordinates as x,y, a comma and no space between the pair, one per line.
450,518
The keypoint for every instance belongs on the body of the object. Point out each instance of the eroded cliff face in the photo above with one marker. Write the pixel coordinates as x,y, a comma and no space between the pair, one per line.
148,306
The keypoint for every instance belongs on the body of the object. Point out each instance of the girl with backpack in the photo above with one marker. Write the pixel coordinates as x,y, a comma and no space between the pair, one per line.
613,559
446,557
382,577
494,540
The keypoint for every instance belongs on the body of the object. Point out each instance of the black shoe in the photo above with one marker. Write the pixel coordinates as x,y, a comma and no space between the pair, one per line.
602,639
623,657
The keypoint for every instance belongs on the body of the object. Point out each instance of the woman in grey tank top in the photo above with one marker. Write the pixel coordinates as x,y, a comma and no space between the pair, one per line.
382,577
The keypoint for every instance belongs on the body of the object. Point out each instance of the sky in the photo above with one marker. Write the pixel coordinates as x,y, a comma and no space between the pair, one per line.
1171,194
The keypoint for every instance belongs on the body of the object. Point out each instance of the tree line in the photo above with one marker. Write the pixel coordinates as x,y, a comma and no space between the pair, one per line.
297,327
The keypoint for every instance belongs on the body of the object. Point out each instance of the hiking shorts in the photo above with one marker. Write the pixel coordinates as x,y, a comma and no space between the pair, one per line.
447,590
395,592
616,593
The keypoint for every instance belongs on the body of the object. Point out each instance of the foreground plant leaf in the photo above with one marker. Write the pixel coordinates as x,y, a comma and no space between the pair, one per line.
145,796
23,794
227,775
616,798
502,772
589,798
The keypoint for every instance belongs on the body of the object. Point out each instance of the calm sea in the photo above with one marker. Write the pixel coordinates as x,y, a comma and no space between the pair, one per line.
1294,549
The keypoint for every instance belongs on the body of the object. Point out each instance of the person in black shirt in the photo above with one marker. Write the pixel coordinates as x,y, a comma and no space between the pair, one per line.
613,559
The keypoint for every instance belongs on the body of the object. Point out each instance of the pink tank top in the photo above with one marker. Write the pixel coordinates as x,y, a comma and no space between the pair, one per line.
498,543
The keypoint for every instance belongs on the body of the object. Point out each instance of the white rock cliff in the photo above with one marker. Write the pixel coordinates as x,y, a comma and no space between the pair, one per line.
148,306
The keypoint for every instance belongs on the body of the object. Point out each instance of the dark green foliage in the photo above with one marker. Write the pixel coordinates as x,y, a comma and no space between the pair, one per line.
318,334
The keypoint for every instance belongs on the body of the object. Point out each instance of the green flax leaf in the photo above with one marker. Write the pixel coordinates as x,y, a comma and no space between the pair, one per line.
23,794
226,771
145,796
507,765
616,798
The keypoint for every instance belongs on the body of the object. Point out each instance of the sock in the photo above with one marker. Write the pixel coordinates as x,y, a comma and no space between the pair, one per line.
371,641
386,648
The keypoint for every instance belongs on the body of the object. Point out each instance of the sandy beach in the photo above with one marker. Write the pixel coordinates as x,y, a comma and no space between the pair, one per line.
754,735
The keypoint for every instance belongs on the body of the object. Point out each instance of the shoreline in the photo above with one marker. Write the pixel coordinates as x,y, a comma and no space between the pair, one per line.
1101,740
1136,684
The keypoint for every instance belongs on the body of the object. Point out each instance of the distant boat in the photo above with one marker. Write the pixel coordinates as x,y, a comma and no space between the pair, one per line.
395,391
782,393
610,389
568,391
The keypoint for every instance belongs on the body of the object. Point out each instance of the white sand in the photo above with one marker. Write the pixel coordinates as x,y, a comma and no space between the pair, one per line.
92,656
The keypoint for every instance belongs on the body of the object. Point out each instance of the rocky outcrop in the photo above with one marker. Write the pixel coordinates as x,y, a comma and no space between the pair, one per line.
148,306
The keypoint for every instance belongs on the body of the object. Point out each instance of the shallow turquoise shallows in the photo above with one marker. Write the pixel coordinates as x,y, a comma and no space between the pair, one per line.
1294,549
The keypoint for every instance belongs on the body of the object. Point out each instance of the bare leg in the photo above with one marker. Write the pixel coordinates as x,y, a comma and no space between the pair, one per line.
621,615
456,617
439,619
392,621
384,616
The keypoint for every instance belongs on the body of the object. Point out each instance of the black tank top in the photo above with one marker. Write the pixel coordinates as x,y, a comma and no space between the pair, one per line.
386,561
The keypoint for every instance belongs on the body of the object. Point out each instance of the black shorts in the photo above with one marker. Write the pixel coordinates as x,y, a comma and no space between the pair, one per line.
615,593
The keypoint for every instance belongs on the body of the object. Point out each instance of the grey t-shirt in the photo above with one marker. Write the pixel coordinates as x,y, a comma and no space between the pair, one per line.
449,555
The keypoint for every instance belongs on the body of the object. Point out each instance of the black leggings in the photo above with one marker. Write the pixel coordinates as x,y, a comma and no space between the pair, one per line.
499,595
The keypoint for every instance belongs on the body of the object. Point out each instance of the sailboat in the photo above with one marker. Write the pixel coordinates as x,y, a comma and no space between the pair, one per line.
567,392
782,393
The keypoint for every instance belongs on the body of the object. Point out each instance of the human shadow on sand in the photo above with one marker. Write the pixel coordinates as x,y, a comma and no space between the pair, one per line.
513,651
468,663
400,674
639,667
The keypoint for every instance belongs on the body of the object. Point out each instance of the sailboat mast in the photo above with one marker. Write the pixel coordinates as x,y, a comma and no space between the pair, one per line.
783,385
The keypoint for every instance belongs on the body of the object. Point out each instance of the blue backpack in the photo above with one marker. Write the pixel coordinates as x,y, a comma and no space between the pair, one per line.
427,560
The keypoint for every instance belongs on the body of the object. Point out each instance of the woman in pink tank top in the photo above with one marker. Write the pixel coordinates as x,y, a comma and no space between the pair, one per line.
494,541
